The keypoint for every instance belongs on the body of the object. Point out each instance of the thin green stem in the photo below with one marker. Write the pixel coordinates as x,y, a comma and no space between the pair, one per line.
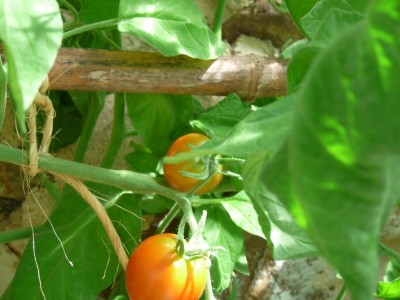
209,294
50,186
123,179
118,131
235,288
93,26
74,12
385,250
169,217
96,105
200,201
342,292
218,17
110,41
15,235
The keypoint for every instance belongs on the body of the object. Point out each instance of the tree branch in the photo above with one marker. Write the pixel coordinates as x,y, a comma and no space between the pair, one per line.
136,72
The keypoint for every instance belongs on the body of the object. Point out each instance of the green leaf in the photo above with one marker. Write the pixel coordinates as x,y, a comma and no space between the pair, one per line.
94,263
31,37
142,162
310,15
155,204
388,290
262,131
299,65
322,22
298,9
221,231
217,121
286,239
392,271
99,10
242,265
156,116
3,93
172,26
337,171
242,213
332,15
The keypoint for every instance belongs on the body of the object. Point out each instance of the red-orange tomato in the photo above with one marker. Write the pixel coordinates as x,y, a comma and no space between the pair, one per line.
156,271
172,171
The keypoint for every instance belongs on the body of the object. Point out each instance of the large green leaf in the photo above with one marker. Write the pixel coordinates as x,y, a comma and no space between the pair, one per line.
156,116
172,26
309,15
99,10
218,120
285,238
243,214
298,9
322,21
31,38
86,244
261,131
337,172
388,290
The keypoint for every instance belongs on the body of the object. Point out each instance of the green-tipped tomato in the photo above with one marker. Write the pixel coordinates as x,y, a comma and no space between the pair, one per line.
196,165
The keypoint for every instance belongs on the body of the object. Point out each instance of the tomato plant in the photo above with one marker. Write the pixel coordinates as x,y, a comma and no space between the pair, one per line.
195,166
158,271
313,168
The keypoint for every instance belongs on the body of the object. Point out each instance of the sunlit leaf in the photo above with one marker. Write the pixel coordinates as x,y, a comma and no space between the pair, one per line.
172,26
335,173
31,38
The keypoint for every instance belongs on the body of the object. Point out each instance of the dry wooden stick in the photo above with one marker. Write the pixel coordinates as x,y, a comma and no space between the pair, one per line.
124,71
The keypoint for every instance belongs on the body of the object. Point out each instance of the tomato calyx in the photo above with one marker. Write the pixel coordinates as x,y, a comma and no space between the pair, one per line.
197,174
210,165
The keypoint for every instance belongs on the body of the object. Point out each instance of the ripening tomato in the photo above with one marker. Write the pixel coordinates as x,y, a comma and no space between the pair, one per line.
184,183
156,271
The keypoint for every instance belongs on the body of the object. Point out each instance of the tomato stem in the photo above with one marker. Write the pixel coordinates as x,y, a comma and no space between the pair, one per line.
166,221
73,11
96,105
218,18
93,26
209,294
118,131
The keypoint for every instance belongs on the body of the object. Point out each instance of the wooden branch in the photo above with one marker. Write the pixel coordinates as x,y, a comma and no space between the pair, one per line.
122,71
250,76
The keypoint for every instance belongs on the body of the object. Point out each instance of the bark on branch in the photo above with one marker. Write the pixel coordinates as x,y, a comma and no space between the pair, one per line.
123,71
249,76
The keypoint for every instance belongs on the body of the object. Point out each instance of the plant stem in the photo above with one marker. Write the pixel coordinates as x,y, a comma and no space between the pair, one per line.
218,17
389,251
342,292
118,131
209,294
51,187
125,180
3,93
164,223
93,26
96,105
14,235
74,12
